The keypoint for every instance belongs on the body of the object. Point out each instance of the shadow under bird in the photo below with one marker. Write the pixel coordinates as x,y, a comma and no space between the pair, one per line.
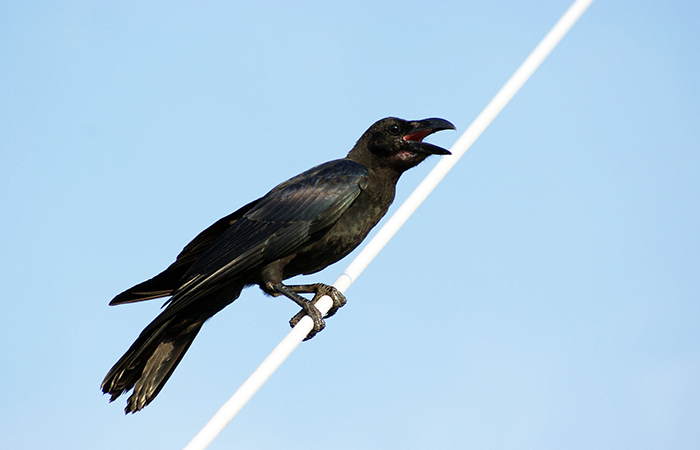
299,227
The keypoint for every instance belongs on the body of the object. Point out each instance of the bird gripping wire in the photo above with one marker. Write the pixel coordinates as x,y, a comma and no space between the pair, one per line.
244,393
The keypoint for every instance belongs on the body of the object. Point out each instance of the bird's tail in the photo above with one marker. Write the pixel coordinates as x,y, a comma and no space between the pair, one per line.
150,360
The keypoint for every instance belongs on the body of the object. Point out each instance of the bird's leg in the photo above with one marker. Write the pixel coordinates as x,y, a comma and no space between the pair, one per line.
319,290
308,308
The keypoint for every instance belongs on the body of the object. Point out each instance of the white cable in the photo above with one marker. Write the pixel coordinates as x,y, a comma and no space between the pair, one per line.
244,393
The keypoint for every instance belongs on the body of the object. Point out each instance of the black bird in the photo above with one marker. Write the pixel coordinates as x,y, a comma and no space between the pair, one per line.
299,227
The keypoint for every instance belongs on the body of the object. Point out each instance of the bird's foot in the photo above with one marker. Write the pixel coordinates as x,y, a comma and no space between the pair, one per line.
309,309
319,290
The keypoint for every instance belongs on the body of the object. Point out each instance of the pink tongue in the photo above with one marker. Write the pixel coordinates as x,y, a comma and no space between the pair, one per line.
417,136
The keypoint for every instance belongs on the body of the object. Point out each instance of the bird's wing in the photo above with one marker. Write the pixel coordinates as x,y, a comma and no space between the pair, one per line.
166,282
280,223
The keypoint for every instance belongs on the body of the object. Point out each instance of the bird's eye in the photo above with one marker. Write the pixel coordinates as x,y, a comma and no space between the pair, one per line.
394,129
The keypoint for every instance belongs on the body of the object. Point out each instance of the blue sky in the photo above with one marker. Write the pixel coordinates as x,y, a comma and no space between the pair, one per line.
545,296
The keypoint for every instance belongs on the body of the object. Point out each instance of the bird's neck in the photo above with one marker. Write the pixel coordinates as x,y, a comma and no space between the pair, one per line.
386,173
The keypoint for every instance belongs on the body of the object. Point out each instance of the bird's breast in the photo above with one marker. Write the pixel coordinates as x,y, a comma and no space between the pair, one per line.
344,235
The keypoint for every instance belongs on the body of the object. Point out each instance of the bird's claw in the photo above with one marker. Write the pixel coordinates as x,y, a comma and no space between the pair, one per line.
315,315
339,301
338,298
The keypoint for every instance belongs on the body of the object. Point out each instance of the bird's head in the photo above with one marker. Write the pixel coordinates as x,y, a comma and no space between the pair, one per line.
398,143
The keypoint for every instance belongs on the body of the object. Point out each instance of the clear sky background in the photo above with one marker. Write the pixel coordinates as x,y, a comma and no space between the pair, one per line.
546,296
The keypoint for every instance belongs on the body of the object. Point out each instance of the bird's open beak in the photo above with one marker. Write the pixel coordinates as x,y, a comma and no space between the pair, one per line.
422,128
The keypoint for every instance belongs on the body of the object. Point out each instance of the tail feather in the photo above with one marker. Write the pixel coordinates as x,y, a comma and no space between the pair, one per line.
166,282
155,354
150,361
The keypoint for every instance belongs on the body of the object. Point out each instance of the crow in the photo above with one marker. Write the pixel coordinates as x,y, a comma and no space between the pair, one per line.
300,227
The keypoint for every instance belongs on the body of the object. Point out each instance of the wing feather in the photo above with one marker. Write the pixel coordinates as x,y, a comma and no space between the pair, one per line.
280,224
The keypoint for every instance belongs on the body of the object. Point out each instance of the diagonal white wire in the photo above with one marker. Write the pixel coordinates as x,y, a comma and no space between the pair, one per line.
244,393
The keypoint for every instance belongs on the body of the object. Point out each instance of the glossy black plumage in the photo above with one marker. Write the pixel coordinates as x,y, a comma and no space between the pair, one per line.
299,227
